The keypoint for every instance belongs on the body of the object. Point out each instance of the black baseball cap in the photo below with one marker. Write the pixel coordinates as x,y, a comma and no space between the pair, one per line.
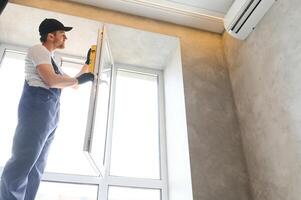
51,25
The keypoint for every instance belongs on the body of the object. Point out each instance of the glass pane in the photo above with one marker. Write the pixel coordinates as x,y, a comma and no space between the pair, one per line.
11,85
135,145
102,105
66,155
63,191
125,193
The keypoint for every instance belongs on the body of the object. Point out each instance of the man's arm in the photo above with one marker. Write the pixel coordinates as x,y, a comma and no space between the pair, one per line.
53,80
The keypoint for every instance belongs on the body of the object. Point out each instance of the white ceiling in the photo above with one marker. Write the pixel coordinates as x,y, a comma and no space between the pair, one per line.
201,14
220,6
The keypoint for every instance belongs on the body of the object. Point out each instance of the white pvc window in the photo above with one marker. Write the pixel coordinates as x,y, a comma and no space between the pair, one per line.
135,145
97,126
110,140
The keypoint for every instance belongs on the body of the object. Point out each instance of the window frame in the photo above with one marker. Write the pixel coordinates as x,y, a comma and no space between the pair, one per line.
161,183
104,182
102,45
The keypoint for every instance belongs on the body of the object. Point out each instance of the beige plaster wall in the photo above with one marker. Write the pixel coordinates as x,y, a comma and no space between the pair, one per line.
265,72
217,162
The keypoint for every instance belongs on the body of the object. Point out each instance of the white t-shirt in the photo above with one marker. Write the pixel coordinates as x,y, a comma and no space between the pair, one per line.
37,55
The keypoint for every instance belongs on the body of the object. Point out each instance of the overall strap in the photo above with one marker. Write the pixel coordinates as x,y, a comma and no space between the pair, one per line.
56,69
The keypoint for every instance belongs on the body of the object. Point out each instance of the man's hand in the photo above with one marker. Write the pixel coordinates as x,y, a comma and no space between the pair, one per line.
88,57
84,69
85,78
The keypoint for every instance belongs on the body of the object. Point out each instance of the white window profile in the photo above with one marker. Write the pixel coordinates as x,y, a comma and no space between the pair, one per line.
106,181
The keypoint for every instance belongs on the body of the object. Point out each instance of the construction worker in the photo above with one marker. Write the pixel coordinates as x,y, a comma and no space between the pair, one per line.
38,113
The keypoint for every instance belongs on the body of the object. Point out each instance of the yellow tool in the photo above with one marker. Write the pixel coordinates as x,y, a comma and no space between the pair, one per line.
92,58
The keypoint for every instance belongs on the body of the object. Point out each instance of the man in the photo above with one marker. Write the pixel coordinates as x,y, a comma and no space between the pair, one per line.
38,113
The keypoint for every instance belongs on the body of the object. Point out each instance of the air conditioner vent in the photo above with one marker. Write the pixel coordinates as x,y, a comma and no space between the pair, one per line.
243,16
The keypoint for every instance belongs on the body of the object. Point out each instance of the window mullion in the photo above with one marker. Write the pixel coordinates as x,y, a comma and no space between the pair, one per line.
163,149
103,190
71,178
135,182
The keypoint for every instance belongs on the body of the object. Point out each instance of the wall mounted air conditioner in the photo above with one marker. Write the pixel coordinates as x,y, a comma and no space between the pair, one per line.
243,16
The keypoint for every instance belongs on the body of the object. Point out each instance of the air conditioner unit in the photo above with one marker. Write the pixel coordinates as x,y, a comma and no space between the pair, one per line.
244,15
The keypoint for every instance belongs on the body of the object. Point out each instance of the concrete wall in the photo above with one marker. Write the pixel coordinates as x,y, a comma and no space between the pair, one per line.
265,72
217,163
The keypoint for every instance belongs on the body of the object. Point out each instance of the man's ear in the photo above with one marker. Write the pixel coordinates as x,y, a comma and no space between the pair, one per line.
50,36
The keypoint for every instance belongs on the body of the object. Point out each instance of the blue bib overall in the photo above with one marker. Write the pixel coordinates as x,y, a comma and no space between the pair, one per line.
38,116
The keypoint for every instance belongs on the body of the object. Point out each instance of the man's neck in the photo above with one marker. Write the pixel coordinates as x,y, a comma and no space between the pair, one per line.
49,46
